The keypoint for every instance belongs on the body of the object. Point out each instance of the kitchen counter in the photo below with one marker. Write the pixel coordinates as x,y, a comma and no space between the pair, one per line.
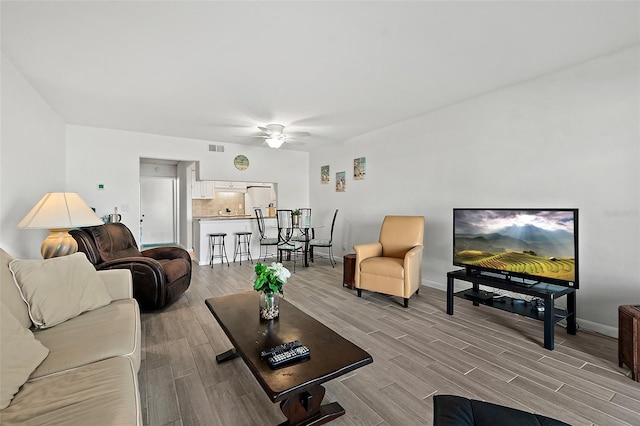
225,217
205,225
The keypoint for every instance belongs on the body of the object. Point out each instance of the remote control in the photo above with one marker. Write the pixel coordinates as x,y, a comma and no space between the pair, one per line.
288,357
279,349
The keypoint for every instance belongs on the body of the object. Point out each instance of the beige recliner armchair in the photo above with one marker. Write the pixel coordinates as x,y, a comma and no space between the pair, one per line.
394,264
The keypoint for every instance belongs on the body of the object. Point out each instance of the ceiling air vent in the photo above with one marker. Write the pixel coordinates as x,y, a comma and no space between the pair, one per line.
216,148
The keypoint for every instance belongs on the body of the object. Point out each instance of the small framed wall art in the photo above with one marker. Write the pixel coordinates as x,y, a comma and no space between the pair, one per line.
359,168
341,181
324,175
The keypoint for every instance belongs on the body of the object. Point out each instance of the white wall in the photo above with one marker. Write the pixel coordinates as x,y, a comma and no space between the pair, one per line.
32,160
112,157
185,206
568,139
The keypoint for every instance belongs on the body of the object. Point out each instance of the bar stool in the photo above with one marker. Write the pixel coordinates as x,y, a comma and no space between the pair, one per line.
217,240
243,240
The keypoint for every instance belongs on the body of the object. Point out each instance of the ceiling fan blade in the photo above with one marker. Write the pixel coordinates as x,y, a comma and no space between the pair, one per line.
276,131
298,134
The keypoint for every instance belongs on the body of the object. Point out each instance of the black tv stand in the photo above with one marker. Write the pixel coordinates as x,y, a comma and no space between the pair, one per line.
547,292
504,276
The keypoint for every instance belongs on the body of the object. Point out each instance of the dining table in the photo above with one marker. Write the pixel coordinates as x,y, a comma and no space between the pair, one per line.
306,231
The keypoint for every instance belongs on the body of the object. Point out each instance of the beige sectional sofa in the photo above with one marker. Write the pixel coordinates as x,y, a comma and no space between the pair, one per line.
89,375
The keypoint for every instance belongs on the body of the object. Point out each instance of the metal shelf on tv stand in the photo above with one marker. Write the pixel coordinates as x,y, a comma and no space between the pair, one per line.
547,292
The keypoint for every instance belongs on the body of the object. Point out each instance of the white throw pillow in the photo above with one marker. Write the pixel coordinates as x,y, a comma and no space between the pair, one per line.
60,288
20,354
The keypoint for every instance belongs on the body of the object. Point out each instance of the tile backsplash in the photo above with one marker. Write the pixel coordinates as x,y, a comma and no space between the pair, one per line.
233,201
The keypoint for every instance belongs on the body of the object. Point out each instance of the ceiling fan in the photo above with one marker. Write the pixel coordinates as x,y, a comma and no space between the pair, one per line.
275,136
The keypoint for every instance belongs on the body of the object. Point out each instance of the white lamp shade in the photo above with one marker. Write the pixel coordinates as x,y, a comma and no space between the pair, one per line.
60,210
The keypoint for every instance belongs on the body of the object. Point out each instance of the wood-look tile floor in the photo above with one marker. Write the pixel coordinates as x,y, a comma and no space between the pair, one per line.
480,352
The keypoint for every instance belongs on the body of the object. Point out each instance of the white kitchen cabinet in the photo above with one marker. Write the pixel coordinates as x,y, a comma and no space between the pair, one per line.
207,188
228,186
202,189
195,190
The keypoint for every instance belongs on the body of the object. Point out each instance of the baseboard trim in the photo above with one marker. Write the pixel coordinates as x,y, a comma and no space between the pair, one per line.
607,330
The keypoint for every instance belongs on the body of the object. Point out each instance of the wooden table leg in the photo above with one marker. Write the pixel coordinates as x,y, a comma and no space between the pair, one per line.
305,408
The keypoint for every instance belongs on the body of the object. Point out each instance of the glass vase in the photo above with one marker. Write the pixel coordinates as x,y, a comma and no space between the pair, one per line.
269,306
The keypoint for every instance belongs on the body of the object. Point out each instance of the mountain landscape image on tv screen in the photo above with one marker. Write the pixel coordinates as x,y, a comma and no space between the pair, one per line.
536,243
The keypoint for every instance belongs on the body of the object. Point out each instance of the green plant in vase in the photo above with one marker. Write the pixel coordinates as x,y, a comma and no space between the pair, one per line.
295,217
270,281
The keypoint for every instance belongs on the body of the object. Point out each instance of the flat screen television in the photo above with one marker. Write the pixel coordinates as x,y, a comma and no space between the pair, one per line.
526,246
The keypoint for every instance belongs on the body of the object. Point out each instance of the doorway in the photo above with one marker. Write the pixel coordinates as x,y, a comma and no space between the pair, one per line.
158,211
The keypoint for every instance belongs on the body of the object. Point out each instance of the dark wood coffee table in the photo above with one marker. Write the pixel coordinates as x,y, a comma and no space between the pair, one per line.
297,387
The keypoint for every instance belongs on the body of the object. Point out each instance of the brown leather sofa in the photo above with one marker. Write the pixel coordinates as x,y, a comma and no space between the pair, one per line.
393,265
160,275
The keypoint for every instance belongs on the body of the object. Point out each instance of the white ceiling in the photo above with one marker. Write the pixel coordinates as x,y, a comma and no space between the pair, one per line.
216,70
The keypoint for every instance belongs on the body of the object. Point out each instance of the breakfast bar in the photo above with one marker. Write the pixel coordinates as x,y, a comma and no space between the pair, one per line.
203,226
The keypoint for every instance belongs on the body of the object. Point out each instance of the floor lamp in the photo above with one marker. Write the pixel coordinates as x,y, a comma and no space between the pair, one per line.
59,212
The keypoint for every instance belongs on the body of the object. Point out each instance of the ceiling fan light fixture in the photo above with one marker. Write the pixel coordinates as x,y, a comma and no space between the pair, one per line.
275,129
275,142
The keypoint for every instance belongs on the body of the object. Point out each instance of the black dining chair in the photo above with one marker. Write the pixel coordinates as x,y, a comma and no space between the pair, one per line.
325,243
264,240
286,231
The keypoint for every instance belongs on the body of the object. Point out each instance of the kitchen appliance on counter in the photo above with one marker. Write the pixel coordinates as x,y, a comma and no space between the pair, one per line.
112,218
